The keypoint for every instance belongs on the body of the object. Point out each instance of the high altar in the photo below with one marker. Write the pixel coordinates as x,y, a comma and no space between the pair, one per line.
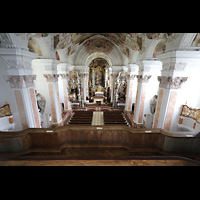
99,95
98,80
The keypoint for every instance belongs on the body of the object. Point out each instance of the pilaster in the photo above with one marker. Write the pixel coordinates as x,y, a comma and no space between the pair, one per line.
140,98
147,87
130,91
168,92
52,80
173,75
24,91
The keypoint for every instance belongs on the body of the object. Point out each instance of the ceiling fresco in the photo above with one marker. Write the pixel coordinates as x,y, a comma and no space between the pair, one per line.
122,46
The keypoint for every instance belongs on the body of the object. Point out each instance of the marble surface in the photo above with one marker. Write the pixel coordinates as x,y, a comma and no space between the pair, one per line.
97,118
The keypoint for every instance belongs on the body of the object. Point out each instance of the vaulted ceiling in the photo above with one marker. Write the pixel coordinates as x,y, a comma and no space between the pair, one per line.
117,48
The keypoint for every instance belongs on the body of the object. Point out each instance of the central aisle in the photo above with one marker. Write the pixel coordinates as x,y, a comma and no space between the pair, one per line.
97,118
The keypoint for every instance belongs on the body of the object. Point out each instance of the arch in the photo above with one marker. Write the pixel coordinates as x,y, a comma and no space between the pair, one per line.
38,45
187,39
150,49
97,55
179,41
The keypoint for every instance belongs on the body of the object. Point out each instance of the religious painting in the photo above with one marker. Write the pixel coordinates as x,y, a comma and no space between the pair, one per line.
122,90
160,48
152,35
97,72
99,77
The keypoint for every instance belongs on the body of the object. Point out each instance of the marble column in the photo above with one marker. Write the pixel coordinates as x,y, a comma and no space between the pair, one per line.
18,72
113,89
130,92
24,92
86,89
67,104
173,75
168,92
83,86
140,98
52,80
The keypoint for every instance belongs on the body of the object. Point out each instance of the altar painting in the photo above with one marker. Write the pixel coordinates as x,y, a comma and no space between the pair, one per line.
122,92
99,80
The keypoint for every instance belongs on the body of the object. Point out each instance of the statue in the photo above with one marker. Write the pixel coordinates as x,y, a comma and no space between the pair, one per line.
153,103
41,102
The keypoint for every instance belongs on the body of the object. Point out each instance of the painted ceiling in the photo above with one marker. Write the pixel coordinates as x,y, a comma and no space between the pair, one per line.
123,43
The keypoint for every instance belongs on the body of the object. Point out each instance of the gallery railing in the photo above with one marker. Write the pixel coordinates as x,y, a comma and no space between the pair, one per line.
192,113
5,111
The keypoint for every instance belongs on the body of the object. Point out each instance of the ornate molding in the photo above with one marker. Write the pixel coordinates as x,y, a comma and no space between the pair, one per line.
98,45
171,82
143,78
51,67
131,77
29,80
51,77
17,81
63,76
175,66
172,37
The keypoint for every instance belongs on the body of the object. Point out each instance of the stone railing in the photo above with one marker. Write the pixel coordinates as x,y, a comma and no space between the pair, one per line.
55,140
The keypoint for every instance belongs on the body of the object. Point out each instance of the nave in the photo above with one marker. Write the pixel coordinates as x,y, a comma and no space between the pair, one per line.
138,90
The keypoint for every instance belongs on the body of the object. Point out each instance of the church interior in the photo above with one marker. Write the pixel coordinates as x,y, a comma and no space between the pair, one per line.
99,99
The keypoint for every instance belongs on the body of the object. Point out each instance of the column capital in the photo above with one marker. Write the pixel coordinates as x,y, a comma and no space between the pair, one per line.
63,76
51,77
131,77
168,82
17,81
143,78
29,80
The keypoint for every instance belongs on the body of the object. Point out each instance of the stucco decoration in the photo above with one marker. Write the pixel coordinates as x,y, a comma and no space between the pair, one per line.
171,82
98,45
17,81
